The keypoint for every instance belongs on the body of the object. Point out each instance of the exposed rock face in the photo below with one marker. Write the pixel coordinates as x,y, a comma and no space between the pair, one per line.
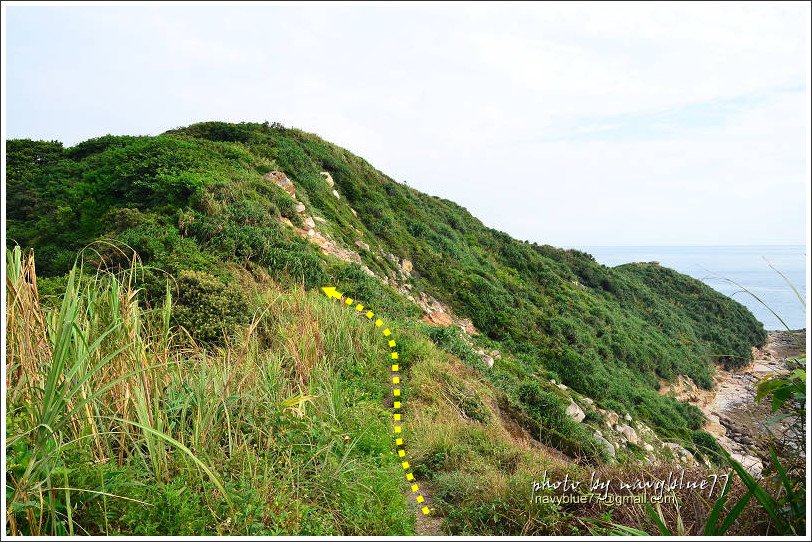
360,244
575,412
751,463
300,207
488,361
319,219
281,181
562,387
355,214
406,266
438,318
328,178
611,418
467,326
628,433
328,246
309,222
681,453
336,194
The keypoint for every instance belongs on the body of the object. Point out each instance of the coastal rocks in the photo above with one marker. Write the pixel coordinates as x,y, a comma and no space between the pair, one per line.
575,412
438,318
281,180
610,449
327,178
751,463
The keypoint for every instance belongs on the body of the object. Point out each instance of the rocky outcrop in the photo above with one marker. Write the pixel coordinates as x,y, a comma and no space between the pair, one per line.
575,412
328,178
281,180
610,449
328,246
438,318
740,425
628,433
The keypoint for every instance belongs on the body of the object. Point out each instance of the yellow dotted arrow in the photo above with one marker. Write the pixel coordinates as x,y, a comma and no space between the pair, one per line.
332,293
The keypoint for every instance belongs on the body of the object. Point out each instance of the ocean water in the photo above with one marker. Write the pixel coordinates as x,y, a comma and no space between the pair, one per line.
745,265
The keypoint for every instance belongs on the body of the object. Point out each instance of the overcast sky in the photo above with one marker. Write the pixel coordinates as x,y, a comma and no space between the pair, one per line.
564,124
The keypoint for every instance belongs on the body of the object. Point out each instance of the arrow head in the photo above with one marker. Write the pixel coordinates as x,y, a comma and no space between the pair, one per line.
331,292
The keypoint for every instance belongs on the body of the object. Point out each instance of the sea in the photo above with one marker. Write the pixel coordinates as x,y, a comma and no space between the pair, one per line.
730,270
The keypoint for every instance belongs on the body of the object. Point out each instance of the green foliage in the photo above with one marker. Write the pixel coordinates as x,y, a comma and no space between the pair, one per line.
195,199
546,418
207,308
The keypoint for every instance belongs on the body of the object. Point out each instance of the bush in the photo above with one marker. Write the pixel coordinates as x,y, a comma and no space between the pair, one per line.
207,308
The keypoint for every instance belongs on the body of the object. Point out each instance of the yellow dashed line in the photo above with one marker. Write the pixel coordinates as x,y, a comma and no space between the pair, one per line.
396,405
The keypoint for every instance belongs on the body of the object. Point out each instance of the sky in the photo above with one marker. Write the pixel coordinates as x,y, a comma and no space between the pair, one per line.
568,124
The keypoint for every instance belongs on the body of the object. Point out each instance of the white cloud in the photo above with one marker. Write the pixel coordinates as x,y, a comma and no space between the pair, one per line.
561,123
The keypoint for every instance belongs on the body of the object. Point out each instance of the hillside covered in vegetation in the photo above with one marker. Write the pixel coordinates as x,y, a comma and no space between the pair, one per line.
221,235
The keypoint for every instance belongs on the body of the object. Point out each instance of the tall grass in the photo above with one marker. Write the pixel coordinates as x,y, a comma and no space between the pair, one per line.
119,423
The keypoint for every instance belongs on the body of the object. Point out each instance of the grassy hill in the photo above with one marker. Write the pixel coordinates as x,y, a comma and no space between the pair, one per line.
229,261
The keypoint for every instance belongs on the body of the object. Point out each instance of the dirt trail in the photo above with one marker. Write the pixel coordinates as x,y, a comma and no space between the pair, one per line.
425,525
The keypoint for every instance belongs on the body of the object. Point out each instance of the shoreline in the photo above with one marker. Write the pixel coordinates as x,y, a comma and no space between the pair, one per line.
740,425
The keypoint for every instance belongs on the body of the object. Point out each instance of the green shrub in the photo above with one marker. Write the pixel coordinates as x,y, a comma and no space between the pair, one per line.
207,308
